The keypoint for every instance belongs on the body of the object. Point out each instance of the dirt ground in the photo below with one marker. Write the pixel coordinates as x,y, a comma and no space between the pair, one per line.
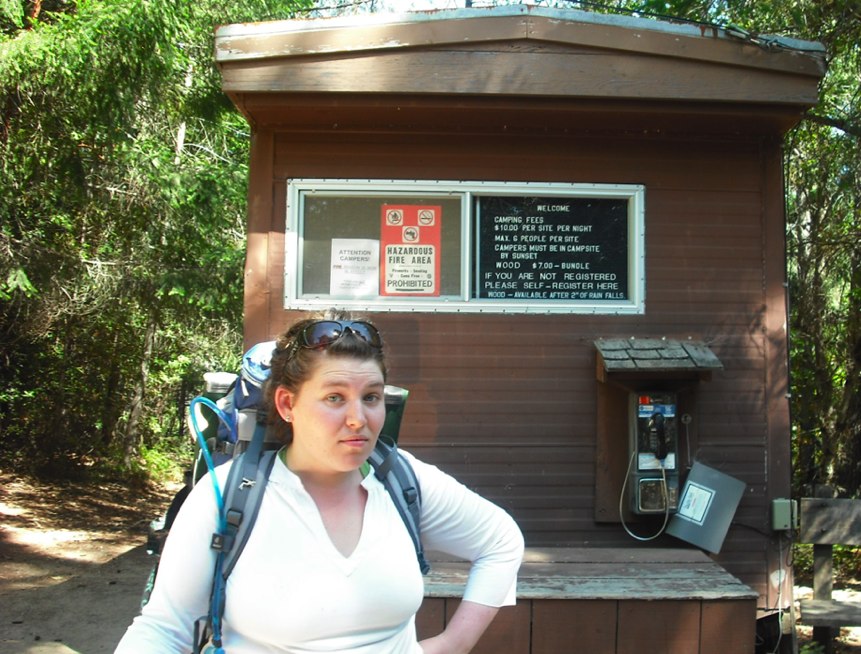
73,564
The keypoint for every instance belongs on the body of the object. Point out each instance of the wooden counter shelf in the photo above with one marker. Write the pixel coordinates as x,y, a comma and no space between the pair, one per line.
607,600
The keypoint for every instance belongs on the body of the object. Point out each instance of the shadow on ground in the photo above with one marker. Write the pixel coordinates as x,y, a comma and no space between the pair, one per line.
73,562
87,613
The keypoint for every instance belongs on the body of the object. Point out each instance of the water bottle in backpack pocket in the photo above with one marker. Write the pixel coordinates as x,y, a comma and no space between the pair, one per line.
245,398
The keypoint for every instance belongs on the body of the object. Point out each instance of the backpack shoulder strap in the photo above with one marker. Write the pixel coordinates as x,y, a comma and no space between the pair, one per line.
243,501
399,478
243,495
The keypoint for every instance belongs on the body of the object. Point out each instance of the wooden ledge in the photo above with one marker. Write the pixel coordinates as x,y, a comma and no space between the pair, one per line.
830,613
586,573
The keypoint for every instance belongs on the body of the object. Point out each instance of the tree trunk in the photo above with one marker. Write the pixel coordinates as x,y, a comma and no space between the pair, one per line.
111,404
34,11
848,423
812,372
131,438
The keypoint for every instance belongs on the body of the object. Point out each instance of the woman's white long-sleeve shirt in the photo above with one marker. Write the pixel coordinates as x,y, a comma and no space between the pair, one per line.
291,589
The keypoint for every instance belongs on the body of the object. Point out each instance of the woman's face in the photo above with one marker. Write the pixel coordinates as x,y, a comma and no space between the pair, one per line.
336,414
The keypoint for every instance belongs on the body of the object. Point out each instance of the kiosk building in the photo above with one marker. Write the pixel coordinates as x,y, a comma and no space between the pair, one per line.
570,229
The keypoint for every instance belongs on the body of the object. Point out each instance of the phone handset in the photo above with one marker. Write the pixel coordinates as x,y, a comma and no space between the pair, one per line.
658,436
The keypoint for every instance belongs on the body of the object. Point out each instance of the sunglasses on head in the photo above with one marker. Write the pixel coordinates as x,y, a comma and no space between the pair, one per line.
323,333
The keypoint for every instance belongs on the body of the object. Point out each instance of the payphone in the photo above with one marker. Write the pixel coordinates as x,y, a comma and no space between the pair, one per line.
653,484
702,513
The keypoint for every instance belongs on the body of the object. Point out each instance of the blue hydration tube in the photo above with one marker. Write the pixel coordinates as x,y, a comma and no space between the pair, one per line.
205,401
218,588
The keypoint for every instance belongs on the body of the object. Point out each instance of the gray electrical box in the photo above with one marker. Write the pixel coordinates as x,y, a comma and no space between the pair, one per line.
784,514
706,507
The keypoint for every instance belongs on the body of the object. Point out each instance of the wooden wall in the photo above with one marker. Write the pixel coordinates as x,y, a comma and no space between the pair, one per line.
607,626
507,403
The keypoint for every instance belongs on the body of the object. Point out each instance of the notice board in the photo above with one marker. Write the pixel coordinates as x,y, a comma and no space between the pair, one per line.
552,248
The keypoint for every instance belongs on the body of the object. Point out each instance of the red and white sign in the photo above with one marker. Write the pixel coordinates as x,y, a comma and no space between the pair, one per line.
410,250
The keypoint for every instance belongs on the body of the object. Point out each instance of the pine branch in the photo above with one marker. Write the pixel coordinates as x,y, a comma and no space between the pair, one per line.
843,125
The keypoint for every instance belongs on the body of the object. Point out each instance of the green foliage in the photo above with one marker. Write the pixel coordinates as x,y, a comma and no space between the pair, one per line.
812,648
823,184
846,560
122,191
823,192
824,231
123,178
162,465
12,13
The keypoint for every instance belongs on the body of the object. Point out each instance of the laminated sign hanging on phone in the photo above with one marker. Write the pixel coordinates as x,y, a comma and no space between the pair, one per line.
410,252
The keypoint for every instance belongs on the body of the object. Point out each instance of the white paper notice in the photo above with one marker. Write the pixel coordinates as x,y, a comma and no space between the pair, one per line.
355,267
696,502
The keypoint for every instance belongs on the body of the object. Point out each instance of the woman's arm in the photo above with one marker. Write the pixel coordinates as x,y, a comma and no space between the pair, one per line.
458,521
181,592
466,626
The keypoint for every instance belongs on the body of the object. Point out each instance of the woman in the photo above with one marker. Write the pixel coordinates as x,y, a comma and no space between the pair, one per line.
329,565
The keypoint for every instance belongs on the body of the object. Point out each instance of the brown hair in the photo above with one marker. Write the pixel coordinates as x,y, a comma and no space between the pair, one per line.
292,365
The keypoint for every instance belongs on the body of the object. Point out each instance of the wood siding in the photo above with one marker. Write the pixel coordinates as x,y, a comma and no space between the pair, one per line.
608,627
508,403
515,51
510,69
518,406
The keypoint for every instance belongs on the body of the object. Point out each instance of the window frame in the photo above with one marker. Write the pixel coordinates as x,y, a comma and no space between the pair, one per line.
467,301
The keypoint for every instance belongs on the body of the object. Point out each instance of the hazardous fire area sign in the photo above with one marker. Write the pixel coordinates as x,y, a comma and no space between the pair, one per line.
410,252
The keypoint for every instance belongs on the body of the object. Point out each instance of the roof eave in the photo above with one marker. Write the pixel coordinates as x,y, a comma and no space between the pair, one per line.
375,32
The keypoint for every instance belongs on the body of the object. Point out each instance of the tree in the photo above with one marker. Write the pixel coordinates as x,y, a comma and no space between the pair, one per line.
823,186
122,191
122,195
823,175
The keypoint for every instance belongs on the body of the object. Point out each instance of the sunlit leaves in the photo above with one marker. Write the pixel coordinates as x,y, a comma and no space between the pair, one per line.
17,281
122,189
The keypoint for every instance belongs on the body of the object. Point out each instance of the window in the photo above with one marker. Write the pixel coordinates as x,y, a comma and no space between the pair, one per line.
387,245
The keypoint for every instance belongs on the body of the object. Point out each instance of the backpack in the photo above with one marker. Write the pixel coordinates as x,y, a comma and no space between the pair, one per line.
245,396
244,423
228,425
